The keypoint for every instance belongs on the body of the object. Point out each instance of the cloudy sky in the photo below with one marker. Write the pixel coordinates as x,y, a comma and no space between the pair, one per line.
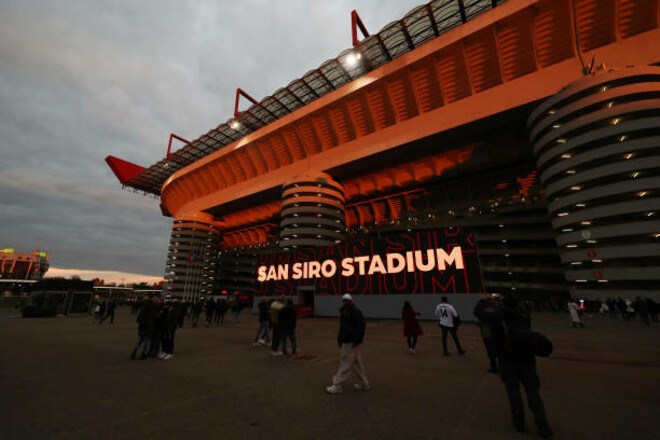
81,79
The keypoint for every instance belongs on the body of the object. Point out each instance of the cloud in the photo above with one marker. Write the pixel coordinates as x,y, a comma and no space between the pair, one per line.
105,275
80,80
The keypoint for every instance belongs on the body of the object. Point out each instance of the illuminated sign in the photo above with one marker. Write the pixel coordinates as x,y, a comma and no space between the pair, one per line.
430,261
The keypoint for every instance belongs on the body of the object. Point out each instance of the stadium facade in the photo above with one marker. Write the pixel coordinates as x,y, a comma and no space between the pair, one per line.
17,266
522,133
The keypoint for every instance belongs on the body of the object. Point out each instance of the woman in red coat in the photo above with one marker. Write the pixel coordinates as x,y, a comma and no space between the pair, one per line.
411,328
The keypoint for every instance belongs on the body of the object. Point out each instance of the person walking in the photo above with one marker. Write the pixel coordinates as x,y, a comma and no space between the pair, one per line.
170,320
262,336
220,311
156,335
99,311
110,312
236,306
573,310
352,328
487,311
274,312
287,322
411,327
209,310
518,364
448,322
196,310
146,320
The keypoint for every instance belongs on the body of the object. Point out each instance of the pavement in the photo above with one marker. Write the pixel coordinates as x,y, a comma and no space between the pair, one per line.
67,378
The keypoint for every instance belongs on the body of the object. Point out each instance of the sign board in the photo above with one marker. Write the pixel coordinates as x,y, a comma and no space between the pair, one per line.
433,261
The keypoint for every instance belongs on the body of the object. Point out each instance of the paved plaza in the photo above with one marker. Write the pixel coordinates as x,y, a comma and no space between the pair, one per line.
67,378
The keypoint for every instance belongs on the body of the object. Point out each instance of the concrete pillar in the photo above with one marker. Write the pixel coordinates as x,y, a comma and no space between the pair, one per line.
597,147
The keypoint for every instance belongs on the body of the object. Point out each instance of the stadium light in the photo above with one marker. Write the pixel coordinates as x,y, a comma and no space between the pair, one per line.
352,59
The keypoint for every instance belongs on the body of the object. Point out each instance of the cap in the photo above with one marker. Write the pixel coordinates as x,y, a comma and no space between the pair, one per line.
347,296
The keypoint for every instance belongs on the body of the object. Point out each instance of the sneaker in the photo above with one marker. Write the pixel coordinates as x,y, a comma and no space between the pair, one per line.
262,342
168,357
361,387
161,355
334,389
276,353
255,344
412,351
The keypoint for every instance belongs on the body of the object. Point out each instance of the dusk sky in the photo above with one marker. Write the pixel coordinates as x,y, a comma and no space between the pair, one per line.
82,79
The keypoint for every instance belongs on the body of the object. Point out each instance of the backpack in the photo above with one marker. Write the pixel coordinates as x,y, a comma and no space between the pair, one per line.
531,342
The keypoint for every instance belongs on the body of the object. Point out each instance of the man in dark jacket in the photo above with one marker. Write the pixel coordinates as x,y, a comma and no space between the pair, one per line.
351,335
263,333
170,320
287,321
518,364
146,320
209,310
487,311
220,310
110,312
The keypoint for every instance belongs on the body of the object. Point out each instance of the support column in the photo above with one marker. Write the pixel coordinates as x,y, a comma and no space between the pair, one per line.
191,260
312,211
597,147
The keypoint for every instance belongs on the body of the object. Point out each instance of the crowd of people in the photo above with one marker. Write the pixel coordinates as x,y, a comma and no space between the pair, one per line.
505,328
158,320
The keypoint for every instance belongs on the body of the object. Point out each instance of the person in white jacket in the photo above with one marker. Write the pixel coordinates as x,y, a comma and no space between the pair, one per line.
448,322
573,310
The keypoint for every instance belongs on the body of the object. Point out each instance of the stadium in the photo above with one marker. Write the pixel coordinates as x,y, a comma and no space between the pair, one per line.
524,133
24,267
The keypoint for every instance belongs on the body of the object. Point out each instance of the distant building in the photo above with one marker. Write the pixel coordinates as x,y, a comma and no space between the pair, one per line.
14,266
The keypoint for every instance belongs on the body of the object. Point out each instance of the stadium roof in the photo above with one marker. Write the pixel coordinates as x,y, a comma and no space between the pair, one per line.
419,26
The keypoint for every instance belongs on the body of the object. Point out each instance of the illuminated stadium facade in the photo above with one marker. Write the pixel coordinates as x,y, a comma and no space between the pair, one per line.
22,267
524,133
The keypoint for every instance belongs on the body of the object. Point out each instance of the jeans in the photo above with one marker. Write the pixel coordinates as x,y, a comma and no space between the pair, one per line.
263,328
144,342
290,334
451,330
168,341
275,342
491,352
513,375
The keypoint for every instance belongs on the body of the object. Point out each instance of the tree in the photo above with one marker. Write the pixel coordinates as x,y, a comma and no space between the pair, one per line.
98,282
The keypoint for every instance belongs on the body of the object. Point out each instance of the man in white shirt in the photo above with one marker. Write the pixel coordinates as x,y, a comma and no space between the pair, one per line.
448,320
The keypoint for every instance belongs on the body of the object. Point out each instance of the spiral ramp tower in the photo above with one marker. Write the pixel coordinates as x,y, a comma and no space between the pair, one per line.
312,212
191,259
597,147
